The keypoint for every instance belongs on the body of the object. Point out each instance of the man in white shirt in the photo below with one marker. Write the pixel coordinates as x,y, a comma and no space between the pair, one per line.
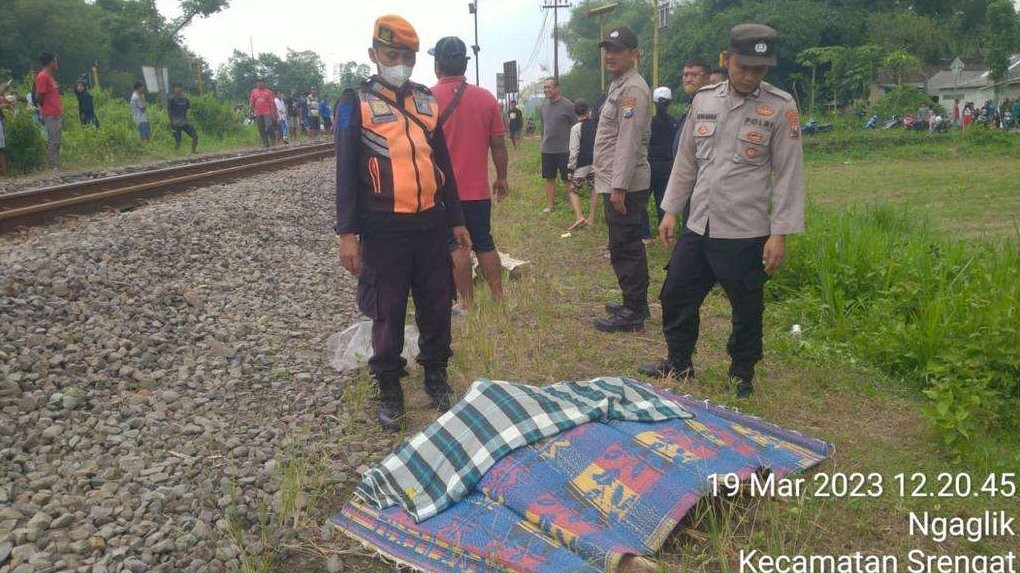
281,117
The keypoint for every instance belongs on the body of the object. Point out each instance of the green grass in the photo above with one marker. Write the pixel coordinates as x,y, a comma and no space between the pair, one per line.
117,142
834,382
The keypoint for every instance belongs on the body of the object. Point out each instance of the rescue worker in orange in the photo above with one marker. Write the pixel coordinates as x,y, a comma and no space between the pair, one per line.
396,204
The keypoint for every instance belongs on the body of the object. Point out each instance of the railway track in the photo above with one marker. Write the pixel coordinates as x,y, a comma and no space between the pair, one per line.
124,191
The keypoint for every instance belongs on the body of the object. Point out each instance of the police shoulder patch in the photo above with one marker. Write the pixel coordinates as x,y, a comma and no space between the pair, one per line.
793,121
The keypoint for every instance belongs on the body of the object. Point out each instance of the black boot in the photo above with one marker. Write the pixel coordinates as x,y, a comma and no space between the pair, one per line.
437,388
743,375
627,320
682,370
615,307
391,401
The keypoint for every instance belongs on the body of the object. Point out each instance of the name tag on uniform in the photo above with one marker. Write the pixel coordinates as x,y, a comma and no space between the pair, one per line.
381,111
423,105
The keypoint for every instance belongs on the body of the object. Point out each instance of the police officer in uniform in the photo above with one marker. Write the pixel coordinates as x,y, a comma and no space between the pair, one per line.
623,177
396,202
741,164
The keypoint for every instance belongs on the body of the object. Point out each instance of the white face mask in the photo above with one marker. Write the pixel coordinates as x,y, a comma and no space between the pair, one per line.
396,76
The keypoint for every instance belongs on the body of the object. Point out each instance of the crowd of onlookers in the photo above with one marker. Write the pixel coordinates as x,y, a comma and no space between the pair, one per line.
281,118
1001,115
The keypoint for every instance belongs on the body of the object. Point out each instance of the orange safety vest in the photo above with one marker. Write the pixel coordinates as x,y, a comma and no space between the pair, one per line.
396,159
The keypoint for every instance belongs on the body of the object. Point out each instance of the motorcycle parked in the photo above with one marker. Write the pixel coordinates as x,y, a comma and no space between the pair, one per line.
892,122
872,122
939,124
812,127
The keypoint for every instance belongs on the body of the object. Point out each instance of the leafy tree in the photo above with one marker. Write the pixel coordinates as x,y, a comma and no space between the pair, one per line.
905,31
1002,37
901,63
815,57
351,74
301,71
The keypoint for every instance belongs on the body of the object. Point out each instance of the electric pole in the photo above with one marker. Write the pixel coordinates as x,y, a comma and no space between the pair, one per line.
554,6
473,9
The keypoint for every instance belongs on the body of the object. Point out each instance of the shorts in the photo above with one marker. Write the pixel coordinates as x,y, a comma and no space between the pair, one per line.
515,134
186,128
144,130
577,183
553,162
478,220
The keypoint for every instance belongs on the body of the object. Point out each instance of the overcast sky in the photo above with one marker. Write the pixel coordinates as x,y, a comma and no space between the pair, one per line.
341,31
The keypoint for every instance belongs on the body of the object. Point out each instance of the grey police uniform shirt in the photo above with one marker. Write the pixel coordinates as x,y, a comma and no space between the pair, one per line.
740,161
621,140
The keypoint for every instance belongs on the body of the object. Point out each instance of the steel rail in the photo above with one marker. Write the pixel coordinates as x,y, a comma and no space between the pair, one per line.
95,194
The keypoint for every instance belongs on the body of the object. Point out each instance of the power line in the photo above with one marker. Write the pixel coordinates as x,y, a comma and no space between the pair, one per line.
539,42
555,7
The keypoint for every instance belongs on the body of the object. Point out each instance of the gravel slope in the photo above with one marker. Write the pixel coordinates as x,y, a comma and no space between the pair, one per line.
157,368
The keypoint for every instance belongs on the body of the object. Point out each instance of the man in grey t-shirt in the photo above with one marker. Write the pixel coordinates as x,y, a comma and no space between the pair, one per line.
557,119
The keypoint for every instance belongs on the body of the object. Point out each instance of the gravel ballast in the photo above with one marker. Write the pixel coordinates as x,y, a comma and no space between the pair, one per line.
159,369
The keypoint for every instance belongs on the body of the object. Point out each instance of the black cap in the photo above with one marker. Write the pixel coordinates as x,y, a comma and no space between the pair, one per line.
754,43
449,50
620,37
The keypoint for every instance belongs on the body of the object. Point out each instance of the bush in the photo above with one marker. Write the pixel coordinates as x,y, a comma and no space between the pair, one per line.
938,313
26,144
901,101
116,138
214,116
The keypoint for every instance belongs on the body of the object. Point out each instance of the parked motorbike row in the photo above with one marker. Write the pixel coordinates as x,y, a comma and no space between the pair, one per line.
937,123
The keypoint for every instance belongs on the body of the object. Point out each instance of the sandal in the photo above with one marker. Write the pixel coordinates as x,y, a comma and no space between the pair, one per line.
578,225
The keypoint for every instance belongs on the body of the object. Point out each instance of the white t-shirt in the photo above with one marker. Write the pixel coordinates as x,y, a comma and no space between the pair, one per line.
138,109
281,109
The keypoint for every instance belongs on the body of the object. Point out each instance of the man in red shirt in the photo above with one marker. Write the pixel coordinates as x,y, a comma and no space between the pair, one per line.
50,107
472,123
263,111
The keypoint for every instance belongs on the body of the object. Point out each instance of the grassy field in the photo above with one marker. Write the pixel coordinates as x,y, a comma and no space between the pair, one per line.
544,333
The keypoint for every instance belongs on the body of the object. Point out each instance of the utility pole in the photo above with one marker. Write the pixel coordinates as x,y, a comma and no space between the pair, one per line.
601,12
655,43
552,5
473,9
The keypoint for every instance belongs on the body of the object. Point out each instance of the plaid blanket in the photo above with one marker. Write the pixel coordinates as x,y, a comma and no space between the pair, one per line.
442,464
588,499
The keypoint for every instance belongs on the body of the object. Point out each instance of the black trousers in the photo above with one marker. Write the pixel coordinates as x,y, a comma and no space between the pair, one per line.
391,267
695,266
626,251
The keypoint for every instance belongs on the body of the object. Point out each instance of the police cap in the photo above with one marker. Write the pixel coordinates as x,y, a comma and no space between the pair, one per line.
620,37
754,43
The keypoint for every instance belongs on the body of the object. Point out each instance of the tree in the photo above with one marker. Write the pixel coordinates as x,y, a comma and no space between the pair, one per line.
904,31
301,71
815,57
351,74
167,32
901,63
1001,38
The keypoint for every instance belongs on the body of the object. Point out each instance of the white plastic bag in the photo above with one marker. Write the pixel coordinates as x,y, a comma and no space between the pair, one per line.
509,263
351,349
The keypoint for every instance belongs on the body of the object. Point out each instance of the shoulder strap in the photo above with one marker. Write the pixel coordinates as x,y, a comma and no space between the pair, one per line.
403,112
453,104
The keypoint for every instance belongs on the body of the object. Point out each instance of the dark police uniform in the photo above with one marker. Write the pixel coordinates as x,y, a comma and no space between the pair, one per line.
740,163
396,190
